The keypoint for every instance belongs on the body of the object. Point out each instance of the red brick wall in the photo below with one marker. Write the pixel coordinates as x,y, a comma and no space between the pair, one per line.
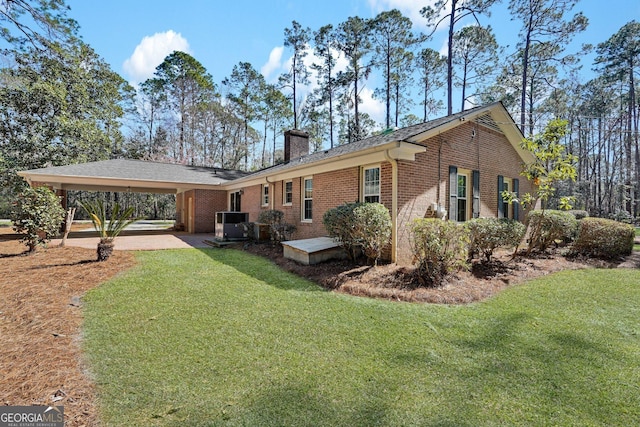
488,151
206,204
329,190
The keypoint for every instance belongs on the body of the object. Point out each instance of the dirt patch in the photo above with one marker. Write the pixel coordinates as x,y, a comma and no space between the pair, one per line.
399,283
40,320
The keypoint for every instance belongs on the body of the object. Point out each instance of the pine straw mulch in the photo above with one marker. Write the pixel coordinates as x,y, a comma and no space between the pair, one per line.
40,322
400,283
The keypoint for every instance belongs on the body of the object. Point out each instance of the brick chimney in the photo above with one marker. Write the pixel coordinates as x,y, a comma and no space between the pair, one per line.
296,144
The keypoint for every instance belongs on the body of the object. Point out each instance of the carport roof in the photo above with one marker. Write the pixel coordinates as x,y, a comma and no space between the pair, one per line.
131,175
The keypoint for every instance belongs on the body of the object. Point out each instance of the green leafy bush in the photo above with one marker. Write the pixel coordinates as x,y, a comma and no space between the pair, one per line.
358,225
578,213
372,229
279,230
439,247
604,238
488,234
38,214
340,224
548,227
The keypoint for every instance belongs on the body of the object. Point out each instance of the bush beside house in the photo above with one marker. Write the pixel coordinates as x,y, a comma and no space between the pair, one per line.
488,234
548,227
604,238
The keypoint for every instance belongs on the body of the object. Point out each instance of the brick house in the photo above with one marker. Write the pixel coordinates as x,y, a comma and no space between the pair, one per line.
459,163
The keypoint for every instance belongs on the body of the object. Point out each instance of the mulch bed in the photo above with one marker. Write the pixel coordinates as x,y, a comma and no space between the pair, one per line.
40,323
399,283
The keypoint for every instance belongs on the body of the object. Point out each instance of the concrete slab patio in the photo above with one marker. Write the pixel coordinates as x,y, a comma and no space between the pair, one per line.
141,241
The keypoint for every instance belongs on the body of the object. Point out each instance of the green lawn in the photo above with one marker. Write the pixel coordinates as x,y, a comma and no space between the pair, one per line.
219,337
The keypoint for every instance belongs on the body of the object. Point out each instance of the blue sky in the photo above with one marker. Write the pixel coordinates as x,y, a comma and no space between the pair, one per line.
133,36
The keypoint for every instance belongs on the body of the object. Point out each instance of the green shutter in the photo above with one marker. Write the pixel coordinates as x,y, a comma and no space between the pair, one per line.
476,194
516,206
500,199
453,193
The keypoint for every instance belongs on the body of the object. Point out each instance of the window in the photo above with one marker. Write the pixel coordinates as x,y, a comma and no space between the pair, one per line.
506,207
307,198
265,194
507,210
464,194
287,193
371,185
234,202
463,200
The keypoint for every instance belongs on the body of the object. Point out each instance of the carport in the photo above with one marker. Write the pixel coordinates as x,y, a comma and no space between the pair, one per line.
200,191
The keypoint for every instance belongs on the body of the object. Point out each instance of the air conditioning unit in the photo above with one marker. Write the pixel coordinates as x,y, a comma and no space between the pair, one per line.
228,225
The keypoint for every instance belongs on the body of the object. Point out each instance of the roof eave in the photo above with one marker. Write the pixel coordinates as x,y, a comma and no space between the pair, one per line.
499,114
398,150
74,182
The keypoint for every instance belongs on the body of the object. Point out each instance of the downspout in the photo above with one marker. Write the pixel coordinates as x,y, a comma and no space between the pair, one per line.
394,205
272,194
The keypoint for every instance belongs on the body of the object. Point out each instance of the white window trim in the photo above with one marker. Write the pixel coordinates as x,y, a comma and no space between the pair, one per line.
284,193
304,199
362,180
264,195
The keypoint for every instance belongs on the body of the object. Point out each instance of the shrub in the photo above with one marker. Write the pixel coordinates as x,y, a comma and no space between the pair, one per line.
108,229
38,214
340,224
488,234
547,227
372,229
439,247
578,213
279,230
604,238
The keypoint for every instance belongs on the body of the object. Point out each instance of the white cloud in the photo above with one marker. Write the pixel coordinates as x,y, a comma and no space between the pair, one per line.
373,107
274,63
150,53
409,8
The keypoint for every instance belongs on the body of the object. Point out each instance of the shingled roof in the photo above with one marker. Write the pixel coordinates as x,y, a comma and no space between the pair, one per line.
381,139
136,175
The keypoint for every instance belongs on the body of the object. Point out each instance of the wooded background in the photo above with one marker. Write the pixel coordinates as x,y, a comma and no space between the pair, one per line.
60,102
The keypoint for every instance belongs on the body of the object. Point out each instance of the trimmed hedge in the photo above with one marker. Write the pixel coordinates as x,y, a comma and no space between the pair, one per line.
439,247
578,213
604,238
359,225
488,234
548,227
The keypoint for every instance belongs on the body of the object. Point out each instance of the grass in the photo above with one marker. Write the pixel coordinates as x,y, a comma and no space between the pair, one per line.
5,223
222,338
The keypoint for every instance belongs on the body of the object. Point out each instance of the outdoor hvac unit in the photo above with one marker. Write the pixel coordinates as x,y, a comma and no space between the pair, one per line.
228,225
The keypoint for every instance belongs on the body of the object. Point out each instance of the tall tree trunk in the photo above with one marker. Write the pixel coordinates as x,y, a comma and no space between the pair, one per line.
452,20
525,68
